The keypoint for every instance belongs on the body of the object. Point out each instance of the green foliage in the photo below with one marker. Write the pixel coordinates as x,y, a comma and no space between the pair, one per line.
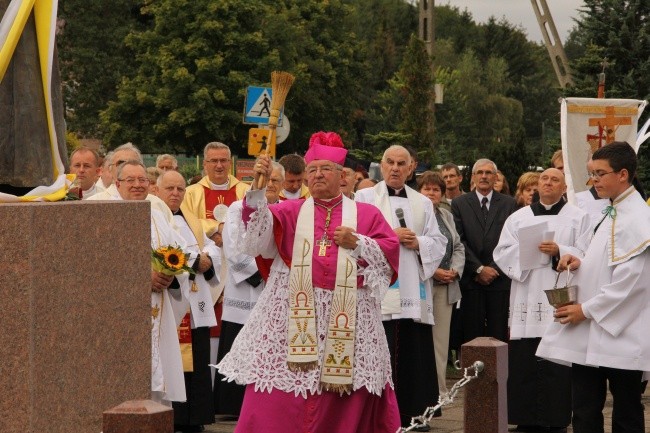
189,171
199,57
171,75
93,56
414,82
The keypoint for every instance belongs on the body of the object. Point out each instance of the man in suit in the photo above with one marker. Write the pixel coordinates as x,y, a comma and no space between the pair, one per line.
479,217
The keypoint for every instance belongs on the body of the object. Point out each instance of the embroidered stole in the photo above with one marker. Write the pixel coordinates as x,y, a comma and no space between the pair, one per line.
392,303
336,372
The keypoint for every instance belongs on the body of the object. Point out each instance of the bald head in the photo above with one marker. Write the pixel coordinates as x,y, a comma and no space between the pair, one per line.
171,189
551,186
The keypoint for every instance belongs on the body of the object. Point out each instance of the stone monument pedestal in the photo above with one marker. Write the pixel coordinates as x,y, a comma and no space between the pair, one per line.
75,337
139,416
486,403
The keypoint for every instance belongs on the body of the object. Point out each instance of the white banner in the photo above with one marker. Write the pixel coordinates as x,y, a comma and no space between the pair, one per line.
588,124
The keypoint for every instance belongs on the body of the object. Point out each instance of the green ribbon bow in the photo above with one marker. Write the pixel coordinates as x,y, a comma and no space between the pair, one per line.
611,211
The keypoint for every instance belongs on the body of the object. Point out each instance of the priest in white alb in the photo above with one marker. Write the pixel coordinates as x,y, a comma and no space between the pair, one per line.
407,309
539,391
167,382
313,352
604,336
197,312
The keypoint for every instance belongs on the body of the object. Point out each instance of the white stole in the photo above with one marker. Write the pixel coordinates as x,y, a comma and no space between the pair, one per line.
337,369
392,303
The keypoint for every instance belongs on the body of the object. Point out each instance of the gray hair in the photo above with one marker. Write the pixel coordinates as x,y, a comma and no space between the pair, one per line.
166,156
215,145
277,166
128,146
120,168
484,161
160,178
107,159
397,147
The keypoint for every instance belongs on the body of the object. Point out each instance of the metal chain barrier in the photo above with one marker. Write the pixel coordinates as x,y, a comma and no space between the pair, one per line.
444,400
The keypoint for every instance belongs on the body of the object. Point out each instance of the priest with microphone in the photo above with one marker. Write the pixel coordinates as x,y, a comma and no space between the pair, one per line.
407,308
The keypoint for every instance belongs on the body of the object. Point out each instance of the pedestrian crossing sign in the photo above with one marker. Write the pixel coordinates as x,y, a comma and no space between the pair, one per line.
257,107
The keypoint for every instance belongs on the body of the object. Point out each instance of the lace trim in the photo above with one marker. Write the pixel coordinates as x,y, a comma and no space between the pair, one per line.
239,304
377,272
259,355
251,236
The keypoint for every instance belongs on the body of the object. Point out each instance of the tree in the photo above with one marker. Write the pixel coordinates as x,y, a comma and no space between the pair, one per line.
93,56
414,81
196,61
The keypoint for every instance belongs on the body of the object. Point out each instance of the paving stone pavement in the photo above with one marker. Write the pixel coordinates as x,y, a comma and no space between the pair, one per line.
452,416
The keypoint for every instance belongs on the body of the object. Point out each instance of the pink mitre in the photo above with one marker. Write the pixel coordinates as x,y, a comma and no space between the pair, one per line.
326,145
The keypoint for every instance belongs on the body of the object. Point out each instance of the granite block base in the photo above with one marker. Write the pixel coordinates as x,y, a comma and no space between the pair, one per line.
75,336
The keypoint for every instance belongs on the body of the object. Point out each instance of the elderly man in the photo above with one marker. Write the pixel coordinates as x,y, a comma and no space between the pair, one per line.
294,175
313,353
167,383
407,308
604,335
166,162
105,178
348,182
539,392
84,163
243,287
479,217
128,152
208,200
194,330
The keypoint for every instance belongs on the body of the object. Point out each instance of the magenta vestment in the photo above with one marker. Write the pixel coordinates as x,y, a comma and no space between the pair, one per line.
278,400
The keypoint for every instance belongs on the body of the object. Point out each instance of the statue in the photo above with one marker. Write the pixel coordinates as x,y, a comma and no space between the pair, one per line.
32,129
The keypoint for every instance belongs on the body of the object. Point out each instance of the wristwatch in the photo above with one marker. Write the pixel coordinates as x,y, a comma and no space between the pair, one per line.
479,269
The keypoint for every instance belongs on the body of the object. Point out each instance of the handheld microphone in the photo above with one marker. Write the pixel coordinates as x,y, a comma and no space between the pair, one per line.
399,213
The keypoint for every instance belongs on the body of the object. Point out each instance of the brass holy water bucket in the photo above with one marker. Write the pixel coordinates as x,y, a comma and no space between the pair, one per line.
561,296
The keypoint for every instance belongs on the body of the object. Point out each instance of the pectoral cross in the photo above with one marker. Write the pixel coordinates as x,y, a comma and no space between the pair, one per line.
323,243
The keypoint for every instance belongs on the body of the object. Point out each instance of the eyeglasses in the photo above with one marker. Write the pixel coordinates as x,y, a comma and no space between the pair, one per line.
325,169
133,180
484,172
596,175
222,161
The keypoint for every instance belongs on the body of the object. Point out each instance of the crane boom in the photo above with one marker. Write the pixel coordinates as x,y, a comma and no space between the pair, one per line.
554,44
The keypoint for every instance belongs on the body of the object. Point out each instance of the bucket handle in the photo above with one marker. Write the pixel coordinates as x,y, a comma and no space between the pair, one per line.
568,277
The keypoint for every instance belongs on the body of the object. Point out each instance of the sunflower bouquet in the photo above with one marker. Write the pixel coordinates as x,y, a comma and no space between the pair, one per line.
170,260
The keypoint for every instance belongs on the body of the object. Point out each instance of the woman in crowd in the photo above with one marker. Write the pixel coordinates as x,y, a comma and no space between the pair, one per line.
501,184
446,290
526,188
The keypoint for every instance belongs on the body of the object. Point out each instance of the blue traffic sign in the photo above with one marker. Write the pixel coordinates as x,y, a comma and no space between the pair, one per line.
257,107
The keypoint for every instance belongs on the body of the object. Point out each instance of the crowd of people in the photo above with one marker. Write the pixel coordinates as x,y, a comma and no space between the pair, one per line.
332,302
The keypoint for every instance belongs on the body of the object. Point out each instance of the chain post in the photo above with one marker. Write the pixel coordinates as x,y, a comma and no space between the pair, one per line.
444,400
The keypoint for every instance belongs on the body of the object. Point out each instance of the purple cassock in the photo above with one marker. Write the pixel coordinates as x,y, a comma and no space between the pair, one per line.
278,400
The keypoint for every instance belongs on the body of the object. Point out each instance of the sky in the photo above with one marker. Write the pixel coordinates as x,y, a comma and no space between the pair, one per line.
520,12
